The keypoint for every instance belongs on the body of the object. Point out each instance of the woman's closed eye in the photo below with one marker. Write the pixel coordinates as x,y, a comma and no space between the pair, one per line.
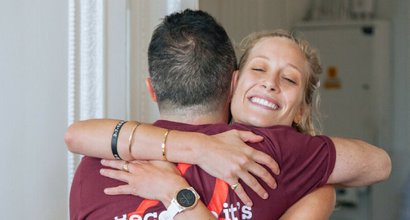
258,69
290,80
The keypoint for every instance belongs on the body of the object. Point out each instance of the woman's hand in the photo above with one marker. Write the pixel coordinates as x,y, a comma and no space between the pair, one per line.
156,180
227,157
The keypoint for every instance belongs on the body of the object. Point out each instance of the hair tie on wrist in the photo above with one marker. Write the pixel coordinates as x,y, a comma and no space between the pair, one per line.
114,139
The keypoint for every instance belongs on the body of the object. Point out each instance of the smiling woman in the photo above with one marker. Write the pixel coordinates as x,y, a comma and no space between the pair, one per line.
277,79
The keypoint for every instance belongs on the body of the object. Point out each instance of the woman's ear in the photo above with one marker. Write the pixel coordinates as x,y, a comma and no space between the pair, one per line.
234,82
299,116
150,89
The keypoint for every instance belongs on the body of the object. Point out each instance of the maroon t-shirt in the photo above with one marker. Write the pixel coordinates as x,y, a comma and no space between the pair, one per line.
305,162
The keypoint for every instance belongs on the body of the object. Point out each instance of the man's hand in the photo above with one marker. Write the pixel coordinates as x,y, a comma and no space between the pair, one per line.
156,180
227,157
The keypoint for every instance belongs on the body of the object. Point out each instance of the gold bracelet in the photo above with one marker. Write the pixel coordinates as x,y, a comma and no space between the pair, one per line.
164,145
131,137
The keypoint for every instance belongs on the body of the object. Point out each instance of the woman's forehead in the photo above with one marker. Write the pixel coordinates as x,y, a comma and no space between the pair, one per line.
283,45
278,48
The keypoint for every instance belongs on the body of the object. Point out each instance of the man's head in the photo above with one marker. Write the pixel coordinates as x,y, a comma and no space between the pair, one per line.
191,60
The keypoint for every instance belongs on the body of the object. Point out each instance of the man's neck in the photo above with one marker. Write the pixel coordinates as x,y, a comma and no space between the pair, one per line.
196,115
195,119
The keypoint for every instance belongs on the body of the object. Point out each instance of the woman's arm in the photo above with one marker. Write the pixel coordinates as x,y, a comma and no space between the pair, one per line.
359,163
224,156
317,205
154,180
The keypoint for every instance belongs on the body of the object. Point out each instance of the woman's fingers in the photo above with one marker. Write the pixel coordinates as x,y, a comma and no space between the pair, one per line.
119,190
238,189
260,171
264,159
116,164
248,136
115,174
253,183
254,166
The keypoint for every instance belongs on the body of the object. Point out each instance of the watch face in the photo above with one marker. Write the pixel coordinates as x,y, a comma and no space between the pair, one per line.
186,198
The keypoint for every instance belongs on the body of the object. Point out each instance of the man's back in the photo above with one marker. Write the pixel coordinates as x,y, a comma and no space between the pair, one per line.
87,198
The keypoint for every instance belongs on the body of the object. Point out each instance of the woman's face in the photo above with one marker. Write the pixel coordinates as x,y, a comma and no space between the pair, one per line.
270,87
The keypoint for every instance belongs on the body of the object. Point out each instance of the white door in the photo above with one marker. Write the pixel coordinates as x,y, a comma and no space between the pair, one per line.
346,54
354,92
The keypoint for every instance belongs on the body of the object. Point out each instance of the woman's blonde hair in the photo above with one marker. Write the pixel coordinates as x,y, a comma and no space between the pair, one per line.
311,96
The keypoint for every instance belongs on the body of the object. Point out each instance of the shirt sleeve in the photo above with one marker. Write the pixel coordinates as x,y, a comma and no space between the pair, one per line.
307,162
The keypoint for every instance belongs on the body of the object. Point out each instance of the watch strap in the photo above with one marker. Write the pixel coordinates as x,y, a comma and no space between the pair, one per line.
174,208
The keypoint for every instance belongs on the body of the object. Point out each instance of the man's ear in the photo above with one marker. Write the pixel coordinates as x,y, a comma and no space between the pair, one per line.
150,89
234,82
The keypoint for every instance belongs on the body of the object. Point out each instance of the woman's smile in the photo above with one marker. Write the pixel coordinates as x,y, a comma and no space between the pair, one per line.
269,88
266,103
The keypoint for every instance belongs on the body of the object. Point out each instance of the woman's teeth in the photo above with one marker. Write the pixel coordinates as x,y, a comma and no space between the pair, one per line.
264,102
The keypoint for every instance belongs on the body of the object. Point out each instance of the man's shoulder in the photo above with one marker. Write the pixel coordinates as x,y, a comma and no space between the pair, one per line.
88,166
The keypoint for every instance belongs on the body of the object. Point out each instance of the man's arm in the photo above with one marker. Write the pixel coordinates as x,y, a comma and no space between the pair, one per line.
359,163
154,180
317,205
224,156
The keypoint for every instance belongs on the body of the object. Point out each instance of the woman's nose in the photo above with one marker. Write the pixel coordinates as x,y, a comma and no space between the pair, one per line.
269,84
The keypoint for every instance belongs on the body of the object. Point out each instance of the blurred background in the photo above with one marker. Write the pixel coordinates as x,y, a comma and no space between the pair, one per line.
62,61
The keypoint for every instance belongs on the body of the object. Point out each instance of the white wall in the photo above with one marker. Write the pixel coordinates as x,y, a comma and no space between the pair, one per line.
242,17
33,61
400,14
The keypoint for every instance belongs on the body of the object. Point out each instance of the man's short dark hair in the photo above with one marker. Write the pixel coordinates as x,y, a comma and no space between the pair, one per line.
191,60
